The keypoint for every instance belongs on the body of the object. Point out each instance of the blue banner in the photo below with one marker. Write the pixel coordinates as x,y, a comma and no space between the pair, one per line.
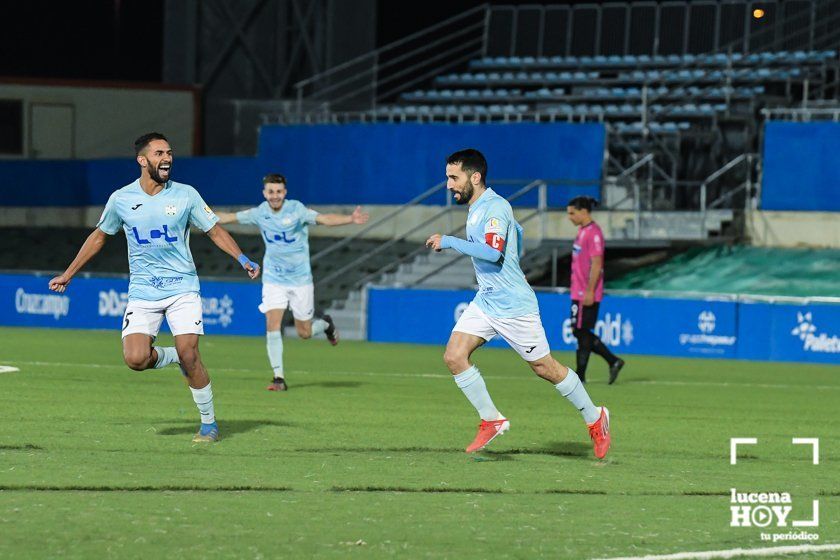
99,303
710,328
391,163
356,164
789,333
800,166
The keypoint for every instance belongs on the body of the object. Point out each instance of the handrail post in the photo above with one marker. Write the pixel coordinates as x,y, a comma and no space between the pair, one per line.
299,101
748,198
703,209
637,209
374,83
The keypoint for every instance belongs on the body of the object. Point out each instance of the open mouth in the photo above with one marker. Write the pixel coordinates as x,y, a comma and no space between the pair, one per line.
164,168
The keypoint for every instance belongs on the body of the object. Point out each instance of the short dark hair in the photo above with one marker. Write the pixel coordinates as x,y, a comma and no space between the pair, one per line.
472,161
273,178
141,143
583,203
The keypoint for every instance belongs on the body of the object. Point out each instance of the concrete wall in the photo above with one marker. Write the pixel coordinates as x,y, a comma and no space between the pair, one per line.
81,121
794,229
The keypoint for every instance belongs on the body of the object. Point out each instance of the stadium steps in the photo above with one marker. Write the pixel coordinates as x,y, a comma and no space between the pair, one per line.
677,226
437,270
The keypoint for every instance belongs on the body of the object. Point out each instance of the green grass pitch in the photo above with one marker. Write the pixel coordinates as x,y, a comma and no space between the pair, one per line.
363,457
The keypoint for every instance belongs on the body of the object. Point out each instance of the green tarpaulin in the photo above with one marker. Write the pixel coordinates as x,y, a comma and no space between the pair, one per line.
742,270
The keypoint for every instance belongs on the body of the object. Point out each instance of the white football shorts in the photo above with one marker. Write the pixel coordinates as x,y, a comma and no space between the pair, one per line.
182,312
525,334
300,299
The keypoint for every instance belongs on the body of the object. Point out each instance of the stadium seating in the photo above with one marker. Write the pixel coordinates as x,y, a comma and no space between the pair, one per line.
666,88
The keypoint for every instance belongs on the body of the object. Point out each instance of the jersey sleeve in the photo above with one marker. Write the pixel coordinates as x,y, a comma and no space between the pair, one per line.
110,221
248,217
201,215
496,226
596,244
307,215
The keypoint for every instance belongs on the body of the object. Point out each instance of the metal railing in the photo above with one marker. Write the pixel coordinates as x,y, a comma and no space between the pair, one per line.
398,65
803,114
379,222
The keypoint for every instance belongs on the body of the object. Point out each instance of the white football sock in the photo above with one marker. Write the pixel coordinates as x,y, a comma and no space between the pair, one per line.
319,326
573,389
166,355
274,345
204,401
472,384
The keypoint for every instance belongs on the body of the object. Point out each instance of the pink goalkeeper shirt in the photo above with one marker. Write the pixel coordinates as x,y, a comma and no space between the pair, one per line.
588,243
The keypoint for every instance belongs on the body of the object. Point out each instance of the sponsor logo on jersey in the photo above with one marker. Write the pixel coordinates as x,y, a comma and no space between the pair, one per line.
275,237
163,282
145,238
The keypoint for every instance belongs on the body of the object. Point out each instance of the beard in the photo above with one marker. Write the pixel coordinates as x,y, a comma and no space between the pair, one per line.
155,175
465,195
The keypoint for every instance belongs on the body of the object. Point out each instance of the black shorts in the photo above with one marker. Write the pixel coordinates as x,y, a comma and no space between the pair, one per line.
585,319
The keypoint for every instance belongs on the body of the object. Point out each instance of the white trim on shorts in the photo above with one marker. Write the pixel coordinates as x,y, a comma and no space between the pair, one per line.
300,299
183,315
525,334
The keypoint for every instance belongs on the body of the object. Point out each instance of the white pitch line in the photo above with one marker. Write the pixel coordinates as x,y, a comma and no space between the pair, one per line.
8,369
524,375
736,553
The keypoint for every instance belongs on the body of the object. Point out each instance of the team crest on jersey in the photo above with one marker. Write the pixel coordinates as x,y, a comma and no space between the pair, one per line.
170,210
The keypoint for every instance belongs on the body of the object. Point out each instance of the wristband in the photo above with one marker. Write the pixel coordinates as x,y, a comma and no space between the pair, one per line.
243,260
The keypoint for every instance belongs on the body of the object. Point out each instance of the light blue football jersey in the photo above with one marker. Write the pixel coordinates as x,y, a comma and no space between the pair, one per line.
157,229
286,237
503,291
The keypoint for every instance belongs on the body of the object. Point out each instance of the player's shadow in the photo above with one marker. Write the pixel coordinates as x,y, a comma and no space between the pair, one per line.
228,428
328,385
573,449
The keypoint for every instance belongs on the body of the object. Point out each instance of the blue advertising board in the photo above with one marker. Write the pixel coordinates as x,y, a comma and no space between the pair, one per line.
786,332
99,303
712,328
745,329
667,327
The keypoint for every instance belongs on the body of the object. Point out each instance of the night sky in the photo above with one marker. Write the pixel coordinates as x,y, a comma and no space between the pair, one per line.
123,39
88,39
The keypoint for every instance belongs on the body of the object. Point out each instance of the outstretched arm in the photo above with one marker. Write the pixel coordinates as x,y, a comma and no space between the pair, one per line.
357,217
226,243
227,217
90,247
478,250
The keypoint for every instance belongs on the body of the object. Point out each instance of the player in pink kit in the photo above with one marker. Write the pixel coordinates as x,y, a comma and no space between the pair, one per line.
587,288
